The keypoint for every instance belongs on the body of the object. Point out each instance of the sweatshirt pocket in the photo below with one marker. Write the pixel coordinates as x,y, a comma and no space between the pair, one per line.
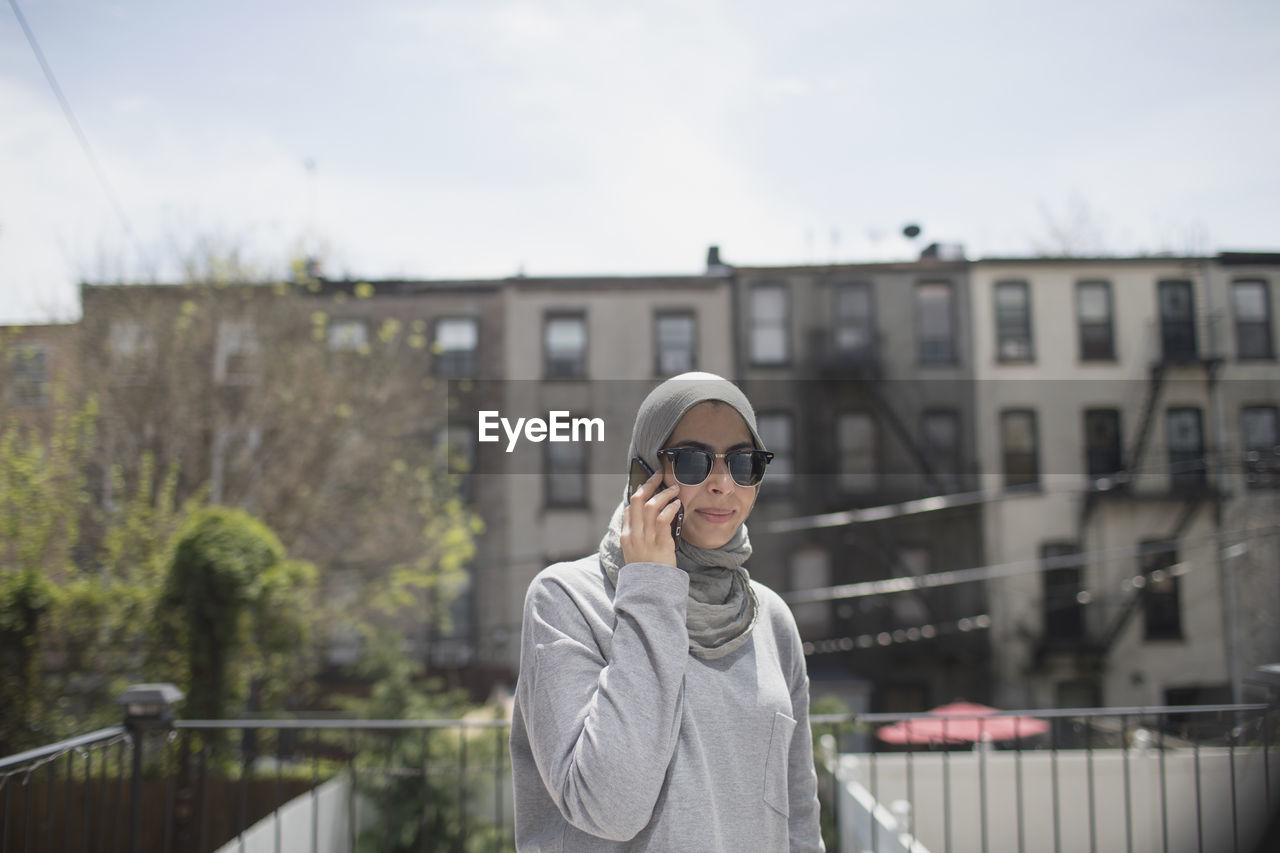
777,761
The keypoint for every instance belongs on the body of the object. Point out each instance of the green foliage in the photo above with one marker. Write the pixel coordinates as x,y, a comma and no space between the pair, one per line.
429,790
25,597
227,612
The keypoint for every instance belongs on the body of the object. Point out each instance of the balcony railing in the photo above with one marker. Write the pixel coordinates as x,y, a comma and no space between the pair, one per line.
1197,778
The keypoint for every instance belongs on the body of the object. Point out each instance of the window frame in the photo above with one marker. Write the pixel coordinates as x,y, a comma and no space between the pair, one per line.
859,481
1031,479
862,324
1091,350
757,324
664,314
455,363
1020,332
1191,478
939,456
1092,452
1161,609
28,373
924,355
579,369
1261,468
1267,352
779,478
550,498
1058,609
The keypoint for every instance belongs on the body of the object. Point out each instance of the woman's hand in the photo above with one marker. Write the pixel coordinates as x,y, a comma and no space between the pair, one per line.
646,523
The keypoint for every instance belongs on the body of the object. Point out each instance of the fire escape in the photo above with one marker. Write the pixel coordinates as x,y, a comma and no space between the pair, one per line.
1176,351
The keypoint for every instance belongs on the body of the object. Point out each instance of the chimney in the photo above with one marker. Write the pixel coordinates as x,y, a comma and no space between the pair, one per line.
715,266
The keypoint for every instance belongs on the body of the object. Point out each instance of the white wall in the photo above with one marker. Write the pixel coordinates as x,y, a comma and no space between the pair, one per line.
320,815
988,782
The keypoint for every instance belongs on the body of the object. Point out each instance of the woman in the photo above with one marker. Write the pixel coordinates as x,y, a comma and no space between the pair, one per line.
663,702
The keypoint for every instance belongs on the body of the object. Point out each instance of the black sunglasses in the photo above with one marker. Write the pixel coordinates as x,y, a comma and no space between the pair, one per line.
691,466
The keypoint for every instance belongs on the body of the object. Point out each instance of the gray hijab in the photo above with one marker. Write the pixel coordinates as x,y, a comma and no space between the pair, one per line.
722,607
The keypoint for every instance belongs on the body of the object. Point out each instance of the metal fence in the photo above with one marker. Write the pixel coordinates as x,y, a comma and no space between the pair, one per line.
1168,779
359,785
1200,778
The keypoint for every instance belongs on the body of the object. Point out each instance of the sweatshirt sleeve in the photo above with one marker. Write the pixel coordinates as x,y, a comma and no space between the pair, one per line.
805,827
602,730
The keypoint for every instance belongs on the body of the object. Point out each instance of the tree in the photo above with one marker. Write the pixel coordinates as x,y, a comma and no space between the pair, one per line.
232,609
306,404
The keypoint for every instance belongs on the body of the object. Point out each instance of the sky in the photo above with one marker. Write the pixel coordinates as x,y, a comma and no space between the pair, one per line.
485,138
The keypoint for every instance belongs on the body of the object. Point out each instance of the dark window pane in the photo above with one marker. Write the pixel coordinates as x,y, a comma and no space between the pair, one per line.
1162,600
769,342
1185,440
853,330
1102,442
1063,608
935,323
1013,321
1177,321
676,343
1019,443
565,343
1261,445
566,473
1093,312
776,433
1252,309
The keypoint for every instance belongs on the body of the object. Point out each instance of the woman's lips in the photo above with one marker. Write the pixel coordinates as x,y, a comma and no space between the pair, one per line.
715,516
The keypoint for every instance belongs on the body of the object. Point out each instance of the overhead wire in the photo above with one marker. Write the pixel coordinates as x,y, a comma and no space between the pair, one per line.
80,135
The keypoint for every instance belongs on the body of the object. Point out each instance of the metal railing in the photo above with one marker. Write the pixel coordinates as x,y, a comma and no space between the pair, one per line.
1186,778
322,786
1172,779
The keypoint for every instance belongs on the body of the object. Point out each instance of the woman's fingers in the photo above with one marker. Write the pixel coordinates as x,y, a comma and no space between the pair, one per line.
646,523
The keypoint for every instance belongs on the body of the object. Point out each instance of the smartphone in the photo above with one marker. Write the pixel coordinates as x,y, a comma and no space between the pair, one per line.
640,471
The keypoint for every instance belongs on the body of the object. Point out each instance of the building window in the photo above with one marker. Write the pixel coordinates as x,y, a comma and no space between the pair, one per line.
940,437
1093,314
1184,438
856,453
1102,443
1162,596
935,322
1177,321
132,350
1251,305
770,343
566,473
455,347
348,334
675,342
29,374
775,430
457,442
565,346
853,327
1013,321
1063,592
1261,444
236,360
1018,440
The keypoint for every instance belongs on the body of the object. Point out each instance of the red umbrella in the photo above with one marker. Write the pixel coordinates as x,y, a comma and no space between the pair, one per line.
961,722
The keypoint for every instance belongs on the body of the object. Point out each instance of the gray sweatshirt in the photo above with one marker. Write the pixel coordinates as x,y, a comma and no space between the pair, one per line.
623,740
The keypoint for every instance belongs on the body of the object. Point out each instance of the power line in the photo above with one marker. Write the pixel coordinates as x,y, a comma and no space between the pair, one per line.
98,171
1019,567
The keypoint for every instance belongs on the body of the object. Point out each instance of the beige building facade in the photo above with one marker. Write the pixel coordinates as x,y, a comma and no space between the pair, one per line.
1118,409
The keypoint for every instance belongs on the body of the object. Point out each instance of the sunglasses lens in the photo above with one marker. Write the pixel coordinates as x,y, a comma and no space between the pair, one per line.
691,467
746,468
